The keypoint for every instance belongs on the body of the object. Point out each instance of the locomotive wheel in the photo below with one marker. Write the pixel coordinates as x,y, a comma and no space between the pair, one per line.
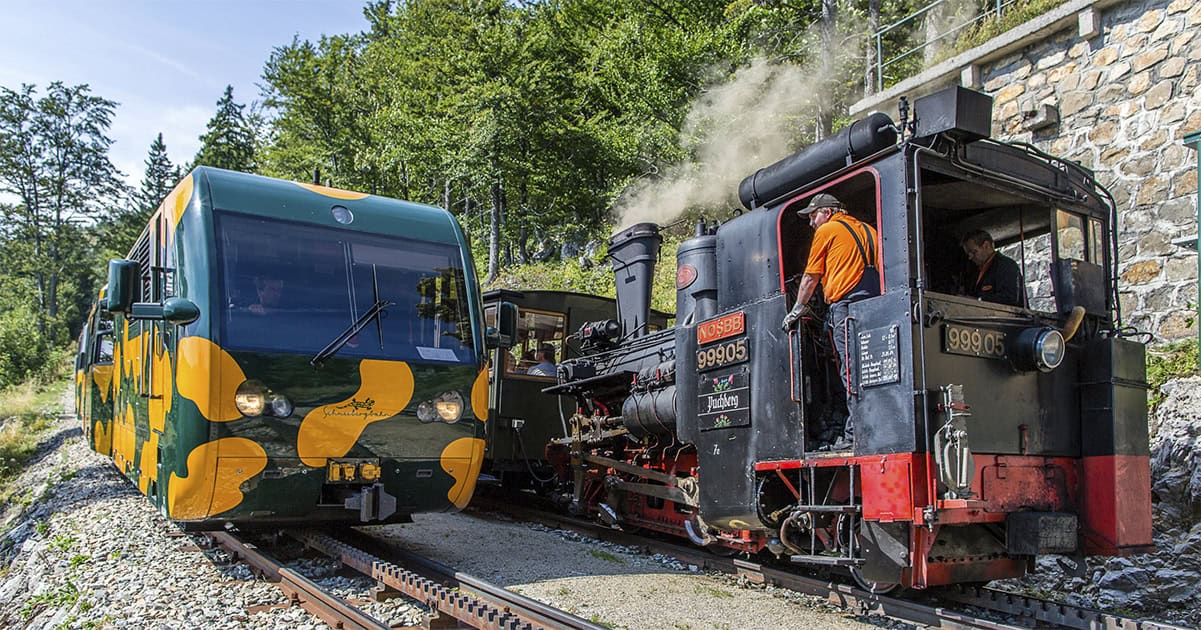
875,588
850,527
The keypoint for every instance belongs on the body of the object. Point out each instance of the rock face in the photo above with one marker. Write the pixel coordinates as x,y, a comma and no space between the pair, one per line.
1126,100
1164,584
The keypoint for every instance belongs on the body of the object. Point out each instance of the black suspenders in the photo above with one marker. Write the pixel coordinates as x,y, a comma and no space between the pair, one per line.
871,243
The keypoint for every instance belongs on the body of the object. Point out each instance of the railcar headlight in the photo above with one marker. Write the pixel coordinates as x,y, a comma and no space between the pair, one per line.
1041,349
250,398
281,407
447,407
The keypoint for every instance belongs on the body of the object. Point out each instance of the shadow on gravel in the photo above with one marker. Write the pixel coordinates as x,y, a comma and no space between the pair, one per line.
52,444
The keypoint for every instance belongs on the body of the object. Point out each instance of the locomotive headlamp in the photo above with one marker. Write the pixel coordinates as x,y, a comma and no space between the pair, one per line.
1041,349
447,407
250,398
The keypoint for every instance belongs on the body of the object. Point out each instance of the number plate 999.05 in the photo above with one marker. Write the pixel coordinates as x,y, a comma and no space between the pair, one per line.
976,342
722,354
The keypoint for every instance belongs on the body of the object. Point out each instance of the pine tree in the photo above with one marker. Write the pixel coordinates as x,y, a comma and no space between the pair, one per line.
125,224
229,141
160,177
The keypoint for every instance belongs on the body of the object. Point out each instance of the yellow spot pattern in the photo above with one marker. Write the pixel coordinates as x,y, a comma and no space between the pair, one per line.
208,376
462,459
80,379
161,386
148,463
124,439
336,193
216,471
479,396
330,430
102,439
176,204
102,375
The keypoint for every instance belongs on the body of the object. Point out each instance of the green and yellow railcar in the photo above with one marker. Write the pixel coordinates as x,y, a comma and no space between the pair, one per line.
287,353
94,378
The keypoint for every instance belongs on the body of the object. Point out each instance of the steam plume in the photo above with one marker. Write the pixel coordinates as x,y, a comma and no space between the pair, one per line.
731,130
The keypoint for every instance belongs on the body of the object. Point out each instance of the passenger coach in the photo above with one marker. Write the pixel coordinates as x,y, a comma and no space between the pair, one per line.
289,353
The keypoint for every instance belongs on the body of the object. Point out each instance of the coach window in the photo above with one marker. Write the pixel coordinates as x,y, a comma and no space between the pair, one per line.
535,329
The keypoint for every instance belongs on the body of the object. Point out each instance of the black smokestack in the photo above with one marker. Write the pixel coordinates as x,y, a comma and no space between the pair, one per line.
633,252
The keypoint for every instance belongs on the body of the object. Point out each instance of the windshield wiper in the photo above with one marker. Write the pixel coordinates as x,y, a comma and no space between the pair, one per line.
339,341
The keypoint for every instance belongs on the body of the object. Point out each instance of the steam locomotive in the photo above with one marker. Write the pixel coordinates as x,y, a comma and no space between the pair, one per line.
985,434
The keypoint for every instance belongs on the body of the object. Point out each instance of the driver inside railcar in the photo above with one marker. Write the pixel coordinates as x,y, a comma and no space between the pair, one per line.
838,252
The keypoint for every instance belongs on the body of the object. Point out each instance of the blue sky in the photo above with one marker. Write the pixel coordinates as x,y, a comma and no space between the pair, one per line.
166,62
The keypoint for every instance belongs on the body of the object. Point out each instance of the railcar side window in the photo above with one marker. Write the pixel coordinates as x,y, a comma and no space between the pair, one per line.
104,350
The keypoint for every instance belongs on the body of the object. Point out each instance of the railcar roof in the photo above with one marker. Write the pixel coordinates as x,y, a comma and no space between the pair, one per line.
294,201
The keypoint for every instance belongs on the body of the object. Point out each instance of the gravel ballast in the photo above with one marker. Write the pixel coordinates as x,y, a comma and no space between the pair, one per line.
86,550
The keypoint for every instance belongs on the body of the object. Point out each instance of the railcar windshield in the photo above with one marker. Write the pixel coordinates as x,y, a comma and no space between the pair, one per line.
291,287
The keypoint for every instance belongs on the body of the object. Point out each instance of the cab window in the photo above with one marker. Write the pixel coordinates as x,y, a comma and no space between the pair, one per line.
538,331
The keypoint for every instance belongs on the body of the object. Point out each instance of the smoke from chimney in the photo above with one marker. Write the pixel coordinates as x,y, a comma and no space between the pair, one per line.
732,129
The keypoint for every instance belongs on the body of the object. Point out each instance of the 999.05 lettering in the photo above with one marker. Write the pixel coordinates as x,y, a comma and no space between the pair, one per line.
722,354
977,342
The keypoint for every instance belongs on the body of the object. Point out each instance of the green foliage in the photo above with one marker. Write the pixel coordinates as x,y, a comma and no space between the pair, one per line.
23,349
1175,360
229,139
54,161
1021,12
117,234
606,556
713,591
64,597
62,542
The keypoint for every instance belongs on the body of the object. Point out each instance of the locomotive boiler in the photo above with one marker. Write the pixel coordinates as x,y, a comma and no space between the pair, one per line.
985,434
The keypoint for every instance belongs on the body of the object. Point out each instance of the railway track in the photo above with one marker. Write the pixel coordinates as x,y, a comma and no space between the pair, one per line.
455,599
1015,610
301,591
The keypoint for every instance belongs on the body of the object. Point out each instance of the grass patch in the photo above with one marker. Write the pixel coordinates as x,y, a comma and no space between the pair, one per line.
606,556
64,597
62,542
713,591
26,410
600,622
1174,360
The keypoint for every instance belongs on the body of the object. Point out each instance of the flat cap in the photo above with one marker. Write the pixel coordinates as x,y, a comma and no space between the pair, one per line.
819,201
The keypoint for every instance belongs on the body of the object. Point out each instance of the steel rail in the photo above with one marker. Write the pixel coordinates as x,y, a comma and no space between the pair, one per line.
1058,613
542,613
493,608
301,591
1028,608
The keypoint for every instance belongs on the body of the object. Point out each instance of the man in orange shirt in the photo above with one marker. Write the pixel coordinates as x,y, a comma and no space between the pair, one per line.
842,258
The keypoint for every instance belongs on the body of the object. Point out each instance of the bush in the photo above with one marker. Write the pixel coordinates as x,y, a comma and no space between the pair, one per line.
24,354
1175,360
